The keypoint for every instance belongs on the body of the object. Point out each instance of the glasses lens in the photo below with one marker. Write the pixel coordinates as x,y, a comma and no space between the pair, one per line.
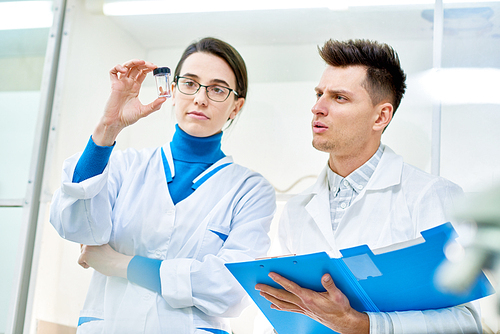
187,86
218,93
214,92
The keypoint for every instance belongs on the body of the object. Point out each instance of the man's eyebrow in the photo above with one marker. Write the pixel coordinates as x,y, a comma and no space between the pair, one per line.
332,91
338,91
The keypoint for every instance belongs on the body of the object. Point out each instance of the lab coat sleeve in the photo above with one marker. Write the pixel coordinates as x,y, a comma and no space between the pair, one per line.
431,206
459,319
81,212
206,283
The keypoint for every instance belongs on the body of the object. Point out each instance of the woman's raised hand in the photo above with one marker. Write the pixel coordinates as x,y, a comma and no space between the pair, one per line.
123,107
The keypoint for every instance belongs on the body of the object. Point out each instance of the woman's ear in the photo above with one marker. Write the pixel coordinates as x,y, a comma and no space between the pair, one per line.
384,116
237,107
172,90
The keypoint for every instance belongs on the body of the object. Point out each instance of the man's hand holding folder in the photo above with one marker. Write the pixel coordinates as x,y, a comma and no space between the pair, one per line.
330,308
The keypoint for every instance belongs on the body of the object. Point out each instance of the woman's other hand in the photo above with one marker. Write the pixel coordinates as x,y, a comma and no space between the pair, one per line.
104,259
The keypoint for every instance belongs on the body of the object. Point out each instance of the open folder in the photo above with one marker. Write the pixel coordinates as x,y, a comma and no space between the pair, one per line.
395,278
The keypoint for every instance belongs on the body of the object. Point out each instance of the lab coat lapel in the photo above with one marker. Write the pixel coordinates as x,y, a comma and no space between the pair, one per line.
170,159
319,207
388,172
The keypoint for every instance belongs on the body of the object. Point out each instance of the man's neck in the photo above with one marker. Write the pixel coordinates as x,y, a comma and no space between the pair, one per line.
345,164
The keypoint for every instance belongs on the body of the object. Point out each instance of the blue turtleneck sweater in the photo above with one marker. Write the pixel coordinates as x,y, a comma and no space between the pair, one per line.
191,156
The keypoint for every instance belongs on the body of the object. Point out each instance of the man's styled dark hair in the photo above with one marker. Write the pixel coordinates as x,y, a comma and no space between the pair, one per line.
384,77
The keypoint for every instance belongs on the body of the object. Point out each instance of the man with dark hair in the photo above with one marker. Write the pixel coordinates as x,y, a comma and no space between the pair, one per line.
365,195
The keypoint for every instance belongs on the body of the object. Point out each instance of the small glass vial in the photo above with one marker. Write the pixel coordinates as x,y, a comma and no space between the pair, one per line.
162,78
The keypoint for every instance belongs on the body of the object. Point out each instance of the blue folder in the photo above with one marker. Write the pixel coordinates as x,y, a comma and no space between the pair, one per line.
389,280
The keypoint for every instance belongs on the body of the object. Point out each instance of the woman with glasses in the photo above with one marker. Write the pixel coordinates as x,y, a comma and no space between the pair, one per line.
157,225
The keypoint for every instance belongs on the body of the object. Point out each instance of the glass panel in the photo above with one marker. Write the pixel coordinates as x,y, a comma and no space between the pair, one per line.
10,227
471,111
23,42
17,130
22,55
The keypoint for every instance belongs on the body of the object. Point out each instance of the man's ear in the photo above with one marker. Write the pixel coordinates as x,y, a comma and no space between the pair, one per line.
385,112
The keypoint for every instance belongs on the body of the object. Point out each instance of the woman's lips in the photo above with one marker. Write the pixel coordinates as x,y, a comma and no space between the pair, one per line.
319,127
197,115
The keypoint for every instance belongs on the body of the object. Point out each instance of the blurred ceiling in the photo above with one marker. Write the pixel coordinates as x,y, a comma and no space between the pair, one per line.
273,27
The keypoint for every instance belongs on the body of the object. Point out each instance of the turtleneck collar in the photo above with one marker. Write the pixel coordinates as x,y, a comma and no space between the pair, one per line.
196,149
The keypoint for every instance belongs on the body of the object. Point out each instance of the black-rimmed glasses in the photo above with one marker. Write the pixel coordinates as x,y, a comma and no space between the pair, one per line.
215,93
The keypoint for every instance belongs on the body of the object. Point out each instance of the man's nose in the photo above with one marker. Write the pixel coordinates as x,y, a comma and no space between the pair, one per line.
319,107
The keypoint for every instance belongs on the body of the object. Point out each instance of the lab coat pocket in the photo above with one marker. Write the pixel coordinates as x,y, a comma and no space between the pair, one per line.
213,241
90,325
221,234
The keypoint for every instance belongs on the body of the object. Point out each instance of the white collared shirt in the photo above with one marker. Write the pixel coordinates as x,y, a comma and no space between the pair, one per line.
344,190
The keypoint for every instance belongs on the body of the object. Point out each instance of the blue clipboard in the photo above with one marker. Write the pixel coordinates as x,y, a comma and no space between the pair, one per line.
379,281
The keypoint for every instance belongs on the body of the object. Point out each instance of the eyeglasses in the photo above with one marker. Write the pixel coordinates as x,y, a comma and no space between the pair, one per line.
214,92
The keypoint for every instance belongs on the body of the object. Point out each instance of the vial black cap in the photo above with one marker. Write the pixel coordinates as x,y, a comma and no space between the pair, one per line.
159,70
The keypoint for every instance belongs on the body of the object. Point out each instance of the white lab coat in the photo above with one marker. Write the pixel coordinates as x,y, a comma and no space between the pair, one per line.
398,202
129,207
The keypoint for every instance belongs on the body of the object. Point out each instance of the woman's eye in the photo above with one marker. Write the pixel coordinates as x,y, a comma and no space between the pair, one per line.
218,90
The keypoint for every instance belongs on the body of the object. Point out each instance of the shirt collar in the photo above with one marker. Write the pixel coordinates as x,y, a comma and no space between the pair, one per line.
358,179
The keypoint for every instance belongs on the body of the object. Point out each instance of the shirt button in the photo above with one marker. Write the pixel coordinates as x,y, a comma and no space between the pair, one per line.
170,212
346,183
146,296
360,186
343,205
158,254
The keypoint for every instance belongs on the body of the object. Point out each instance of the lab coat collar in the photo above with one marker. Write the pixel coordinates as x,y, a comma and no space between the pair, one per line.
168,154
387,173
170,159
224,161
